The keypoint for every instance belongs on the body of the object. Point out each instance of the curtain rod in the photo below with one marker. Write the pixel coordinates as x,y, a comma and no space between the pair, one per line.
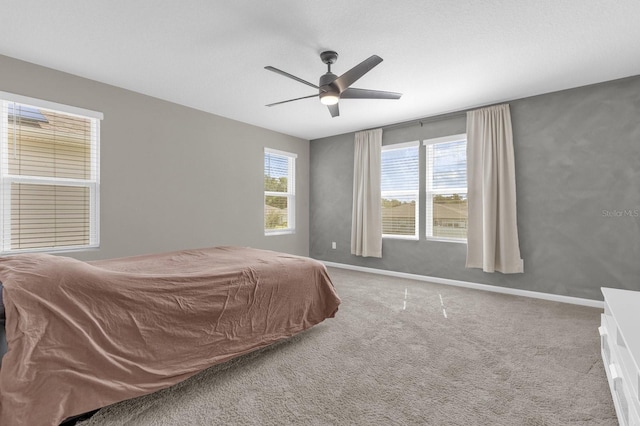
421,121
432,118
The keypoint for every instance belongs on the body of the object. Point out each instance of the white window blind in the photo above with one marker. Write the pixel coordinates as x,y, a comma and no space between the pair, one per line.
49,177
400,187
446,188
279,191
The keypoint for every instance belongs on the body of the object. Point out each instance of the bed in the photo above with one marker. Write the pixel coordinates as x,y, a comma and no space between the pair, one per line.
83,335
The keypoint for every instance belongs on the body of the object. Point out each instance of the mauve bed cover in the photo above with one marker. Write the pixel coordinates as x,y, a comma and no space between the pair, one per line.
85,335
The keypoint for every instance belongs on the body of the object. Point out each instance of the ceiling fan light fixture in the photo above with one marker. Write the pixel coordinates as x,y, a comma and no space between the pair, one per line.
329,98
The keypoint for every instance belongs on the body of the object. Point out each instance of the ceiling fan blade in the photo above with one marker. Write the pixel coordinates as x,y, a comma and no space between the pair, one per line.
293,77
353,93
291,100
350,77
334,110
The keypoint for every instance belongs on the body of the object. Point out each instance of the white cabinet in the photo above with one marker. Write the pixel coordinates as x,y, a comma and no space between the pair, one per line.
620,344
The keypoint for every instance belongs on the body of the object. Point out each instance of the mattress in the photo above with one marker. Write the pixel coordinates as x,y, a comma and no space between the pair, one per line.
85,335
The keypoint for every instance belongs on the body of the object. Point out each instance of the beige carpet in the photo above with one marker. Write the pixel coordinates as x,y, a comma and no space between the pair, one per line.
391,357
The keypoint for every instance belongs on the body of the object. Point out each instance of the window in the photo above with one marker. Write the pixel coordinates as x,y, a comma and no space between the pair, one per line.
446,187
279,192
49,178
400,187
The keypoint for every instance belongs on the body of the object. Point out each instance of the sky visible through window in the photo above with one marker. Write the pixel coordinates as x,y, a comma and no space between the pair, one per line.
449,167
400,172
25,112
276,166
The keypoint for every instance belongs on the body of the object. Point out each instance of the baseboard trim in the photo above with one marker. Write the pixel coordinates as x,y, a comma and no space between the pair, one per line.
476,286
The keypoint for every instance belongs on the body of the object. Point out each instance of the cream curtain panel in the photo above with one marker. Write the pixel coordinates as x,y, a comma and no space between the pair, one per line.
366,222
492,239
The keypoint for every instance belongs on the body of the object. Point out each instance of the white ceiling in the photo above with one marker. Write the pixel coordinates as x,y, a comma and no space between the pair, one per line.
443,55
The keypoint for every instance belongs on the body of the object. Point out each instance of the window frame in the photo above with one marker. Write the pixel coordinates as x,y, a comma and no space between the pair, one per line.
6,179
404,145
290,194
430,192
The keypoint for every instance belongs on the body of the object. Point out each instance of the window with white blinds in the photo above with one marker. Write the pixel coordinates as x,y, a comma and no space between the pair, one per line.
49,177
446,188
279,192
400,186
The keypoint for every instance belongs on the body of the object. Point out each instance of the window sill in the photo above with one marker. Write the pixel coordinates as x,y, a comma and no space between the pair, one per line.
448,240
401,237
51,250
280,232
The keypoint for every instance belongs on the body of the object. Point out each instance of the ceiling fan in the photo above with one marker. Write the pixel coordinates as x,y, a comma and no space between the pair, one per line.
332,88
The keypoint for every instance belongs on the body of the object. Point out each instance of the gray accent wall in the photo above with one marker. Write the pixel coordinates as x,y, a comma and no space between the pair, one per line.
172,177
577,158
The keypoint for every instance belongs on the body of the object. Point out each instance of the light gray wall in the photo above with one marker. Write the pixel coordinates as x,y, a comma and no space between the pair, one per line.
171,177
577,157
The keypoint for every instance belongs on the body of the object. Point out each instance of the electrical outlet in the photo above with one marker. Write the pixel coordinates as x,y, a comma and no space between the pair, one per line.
333,245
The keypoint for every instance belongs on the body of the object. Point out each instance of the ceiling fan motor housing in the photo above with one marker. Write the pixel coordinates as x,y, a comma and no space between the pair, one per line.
329,92
326,80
